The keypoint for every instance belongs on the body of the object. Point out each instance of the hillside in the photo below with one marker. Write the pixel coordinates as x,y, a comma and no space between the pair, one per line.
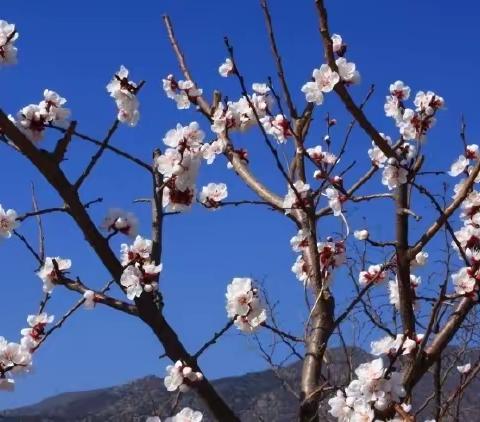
255,397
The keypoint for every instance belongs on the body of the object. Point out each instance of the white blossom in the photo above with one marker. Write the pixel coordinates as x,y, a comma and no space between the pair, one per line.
462,163
180,376
182,92
374,274
393,174
428,102
321,157
260,88
371,389
140,249
226,68
213,194
324,80
394,294
399,90
277,126
14,358
347,71
169,163
211,150
186,415
244,306
459,166
36,330
299,241
185,137
48,273
334,200
30,121
140,277
464,281
392,108
361,234
124,91
300,269
178,200
339,408
421,258
181,165
390,345
337,43
52,108
131,279
463,369
121,221
291,200
8,36
8,222
89,297
376,155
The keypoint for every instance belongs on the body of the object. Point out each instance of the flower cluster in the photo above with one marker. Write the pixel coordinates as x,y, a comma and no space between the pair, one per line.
466,281
34,118
180,162
278,127
185,415
375,388
212,149
412,123
240,115
376,155
8,222
392,345
14,359
394,174
124,92
180,376
8,36
331,255
295,199
374,274
140,273
395,171
52,271
36,330
213,194
322,159
244,305
324,80
120,221
300,241
182,92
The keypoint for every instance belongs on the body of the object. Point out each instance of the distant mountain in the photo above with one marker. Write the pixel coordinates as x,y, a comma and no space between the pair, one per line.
262,396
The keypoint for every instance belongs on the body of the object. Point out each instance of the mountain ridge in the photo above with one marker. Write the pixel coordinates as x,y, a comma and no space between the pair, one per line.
256,396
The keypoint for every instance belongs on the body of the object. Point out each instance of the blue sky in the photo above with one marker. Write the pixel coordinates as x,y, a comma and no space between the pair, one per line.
75,48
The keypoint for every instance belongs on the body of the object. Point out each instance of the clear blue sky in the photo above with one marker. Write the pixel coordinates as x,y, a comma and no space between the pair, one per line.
74,48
